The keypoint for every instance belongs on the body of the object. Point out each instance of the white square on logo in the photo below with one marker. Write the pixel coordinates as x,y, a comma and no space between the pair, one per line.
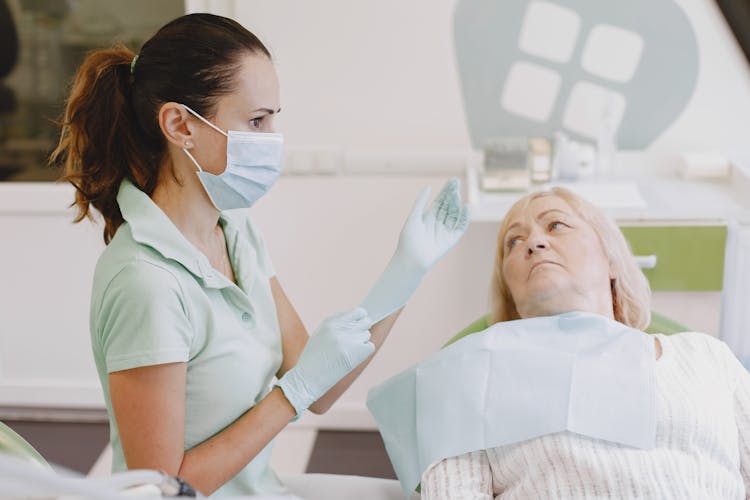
612,53
588,107
549,30
530,91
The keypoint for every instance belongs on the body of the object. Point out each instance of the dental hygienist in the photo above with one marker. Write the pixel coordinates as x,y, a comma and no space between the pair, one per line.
202,358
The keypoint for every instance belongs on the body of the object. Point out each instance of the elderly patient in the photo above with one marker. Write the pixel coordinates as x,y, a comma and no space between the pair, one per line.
557,253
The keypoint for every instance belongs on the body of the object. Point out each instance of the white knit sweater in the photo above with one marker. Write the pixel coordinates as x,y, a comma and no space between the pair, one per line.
702,443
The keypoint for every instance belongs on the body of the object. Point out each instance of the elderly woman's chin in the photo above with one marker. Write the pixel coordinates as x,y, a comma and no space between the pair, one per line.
548,301
554,293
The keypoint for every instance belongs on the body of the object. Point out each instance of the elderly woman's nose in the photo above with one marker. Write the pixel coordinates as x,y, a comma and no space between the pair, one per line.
536,243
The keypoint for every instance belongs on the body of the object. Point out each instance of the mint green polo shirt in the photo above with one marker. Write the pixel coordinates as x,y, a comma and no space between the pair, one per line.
156,299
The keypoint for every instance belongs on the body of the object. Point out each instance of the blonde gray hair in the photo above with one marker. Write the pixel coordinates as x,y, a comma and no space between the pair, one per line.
631,295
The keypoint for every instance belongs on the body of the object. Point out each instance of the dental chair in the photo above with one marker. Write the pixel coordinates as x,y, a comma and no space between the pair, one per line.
659,324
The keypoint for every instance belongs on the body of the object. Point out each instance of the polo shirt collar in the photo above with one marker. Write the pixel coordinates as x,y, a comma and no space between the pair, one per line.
151,227
242,254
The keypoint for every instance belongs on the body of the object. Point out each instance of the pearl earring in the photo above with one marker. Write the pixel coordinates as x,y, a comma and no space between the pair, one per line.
188,143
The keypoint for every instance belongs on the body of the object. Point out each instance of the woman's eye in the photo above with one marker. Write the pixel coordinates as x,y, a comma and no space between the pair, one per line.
557,225
257,122
513,241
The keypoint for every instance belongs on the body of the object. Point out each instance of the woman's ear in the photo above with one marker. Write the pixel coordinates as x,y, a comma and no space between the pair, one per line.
175,124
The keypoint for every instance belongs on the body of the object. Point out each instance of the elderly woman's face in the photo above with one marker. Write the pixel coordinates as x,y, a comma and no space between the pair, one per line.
554,261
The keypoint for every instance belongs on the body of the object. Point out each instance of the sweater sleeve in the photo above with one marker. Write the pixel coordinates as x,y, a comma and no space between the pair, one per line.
742,416
465,477
739,378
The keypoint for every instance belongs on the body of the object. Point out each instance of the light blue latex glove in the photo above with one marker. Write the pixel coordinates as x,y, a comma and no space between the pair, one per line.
341,343
425,238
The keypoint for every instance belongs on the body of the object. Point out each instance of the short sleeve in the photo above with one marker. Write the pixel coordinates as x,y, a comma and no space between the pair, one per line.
142,319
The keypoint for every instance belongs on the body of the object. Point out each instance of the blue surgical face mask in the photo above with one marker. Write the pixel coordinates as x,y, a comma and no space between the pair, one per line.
253,165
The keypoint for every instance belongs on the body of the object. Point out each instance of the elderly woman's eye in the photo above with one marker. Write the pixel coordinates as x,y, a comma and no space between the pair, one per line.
557,225
513,241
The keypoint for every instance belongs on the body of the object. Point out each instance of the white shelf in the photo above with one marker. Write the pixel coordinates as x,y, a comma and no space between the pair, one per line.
638,193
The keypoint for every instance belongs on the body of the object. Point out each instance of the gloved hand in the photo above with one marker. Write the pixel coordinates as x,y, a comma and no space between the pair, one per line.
425,238
341,343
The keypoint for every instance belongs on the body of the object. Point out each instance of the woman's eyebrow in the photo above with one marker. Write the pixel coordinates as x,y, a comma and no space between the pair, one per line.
268,110
538,217
546,212
512,226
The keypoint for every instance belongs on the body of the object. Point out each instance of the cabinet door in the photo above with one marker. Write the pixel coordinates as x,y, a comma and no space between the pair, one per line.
688,258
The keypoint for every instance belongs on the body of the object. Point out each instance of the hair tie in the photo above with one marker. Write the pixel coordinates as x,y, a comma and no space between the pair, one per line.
132,64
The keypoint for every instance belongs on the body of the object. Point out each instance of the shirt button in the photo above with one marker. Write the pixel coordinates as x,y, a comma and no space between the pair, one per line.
245,317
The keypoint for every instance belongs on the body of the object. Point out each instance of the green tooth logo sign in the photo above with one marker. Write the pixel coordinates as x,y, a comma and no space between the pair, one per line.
535,67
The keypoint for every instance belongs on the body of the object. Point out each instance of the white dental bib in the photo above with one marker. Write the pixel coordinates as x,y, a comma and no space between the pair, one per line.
515,381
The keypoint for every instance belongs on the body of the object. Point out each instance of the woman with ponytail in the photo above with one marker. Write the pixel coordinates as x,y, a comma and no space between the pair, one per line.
201,356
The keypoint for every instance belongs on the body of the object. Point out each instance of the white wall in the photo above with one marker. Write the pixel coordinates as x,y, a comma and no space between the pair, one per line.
383,74
329,238
363,74
717,115
358,75
46,271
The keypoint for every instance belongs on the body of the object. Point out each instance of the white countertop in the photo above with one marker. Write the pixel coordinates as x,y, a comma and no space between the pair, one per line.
668,197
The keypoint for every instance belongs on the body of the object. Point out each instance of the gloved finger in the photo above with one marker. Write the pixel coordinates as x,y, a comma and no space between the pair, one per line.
362,337
419,206
358,324
441,209
453,207
450,185
463,220
353,325
370,347
356,315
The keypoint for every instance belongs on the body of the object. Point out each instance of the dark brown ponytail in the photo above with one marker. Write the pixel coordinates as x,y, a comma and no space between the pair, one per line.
110,128
97,135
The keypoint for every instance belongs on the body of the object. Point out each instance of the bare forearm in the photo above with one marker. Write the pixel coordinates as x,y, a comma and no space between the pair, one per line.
215,461
379,332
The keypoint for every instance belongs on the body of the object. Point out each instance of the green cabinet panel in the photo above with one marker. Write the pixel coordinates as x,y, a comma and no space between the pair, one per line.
689,258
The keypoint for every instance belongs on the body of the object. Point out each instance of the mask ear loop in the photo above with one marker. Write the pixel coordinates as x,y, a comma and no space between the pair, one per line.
192,158
197,115
187,108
